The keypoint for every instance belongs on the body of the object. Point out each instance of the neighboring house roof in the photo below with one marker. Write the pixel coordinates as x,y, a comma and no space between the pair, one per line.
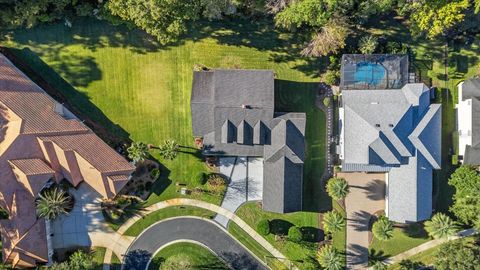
233,111
28,115
471,90
396,131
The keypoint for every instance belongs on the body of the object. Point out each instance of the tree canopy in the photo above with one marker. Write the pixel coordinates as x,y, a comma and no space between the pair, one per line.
466,200
441,226
458,255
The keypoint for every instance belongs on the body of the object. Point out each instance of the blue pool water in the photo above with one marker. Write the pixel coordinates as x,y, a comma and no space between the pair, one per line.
369,73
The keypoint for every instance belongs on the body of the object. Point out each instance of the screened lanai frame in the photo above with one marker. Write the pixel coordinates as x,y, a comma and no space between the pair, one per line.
384,71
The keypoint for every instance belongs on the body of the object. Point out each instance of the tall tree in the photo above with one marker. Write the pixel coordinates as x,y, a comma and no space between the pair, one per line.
458,255
163,19
337,188
138,151
436,17
333,222
330,39
466,200
53,203
330,259
382,229
440,226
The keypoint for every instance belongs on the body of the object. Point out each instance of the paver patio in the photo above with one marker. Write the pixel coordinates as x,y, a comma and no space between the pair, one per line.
367,196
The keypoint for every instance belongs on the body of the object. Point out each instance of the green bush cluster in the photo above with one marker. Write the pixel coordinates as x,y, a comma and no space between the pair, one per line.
295,234
263,227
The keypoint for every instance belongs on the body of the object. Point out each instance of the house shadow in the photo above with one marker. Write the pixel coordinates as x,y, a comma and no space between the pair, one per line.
63,92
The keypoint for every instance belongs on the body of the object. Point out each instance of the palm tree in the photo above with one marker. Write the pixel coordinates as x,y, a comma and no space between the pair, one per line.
330,259
53,203
138,151
169,149
441,226
337,188
333,222
383,228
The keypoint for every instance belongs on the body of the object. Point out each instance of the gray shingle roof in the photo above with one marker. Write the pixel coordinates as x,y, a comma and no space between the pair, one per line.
397,131
471,90
233,110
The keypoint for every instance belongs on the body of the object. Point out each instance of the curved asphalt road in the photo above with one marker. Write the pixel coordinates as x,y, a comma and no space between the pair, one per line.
203,231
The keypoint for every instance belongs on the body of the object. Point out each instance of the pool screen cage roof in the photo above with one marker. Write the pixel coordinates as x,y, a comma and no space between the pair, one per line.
374,71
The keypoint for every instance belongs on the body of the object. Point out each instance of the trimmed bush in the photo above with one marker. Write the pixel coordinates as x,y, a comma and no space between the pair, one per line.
200,179
295,234
263,227
155,173
326,102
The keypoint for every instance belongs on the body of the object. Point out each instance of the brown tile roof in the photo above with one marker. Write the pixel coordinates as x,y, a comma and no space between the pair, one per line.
23,235
33,106
32,166
94,150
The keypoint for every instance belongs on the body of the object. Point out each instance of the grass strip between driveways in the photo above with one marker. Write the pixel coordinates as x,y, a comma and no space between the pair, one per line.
98,256
173,211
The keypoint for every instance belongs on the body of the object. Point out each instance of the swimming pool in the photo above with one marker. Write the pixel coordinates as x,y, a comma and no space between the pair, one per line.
369,73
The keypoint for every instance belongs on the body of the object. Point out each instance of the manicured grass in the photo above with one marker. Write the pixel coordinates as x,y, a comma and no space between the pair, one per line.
126,82
169,212
298,253
403,239
186,256
115,263
98,255
339,238
427,257
255,247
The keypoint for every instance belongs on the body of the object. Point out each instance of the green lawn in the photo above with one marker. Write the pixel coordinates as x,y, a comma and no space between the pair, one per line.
98,255
298,253
126,82
403,240
115,263
169,212
186,256
339,238
255,247
427,257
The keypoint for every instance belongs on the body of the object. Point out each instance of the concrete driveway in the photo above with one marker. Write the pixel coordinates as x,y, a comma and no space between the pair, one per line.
367,196
199,230
245,176
73,229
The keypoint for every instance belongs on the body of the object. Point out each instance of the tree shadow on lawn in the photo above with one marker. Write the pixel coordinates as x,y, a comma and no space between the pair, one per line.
312,234
162,183
415,230
280,226
376,256
63,92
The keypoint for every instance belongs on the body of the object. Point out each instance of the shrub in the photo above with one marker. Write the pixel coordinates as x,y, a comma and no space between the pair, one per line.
295,234
216,183
330,258
263,227
368,44
326,101
3,213
199,179
332,76
155,173
338,188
